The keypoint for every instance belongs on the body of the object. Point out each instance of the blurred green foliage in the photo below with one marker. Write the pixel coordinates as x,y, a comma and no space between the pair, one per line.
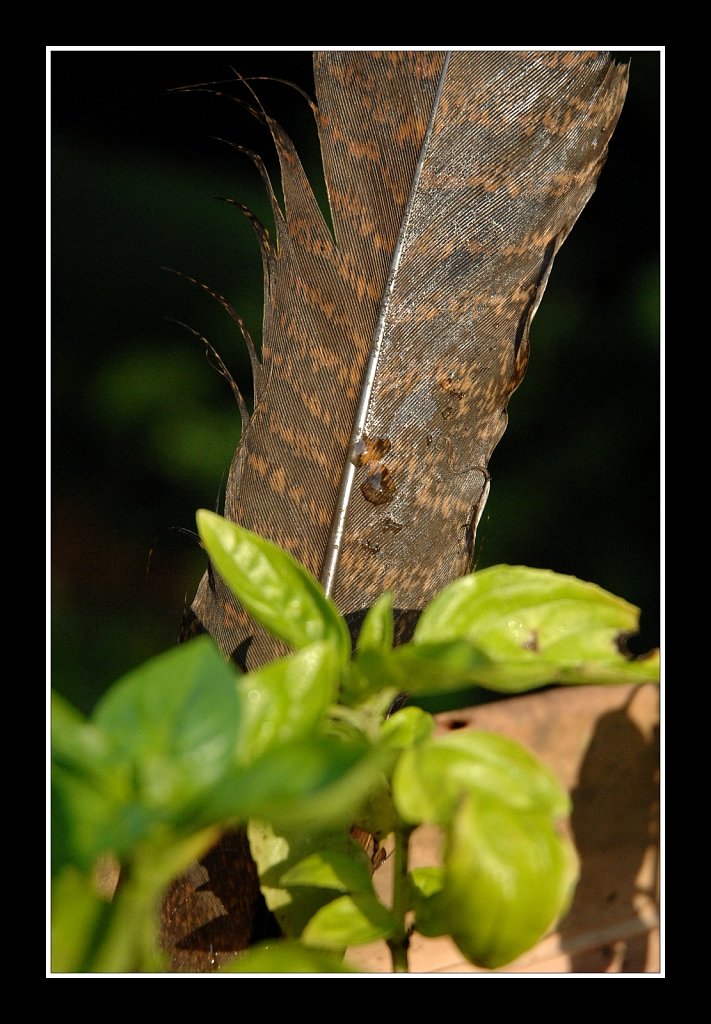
144,430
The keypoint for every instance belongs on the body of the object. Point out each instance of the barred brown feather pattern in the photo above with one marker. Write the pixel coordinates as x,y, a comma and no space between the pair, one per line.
472,170
516,148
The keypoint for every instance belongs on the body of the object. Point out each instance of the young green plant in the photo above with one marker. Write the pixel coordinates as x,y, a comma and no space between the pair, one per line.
301,751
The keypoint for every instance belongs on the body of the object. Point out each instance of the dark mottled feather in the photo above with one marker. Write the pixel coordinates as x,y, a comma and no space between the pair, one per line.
514,149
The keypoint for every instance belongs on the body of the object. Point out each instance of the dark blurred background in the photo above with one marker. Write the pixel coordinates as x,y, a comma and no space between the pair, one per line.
143,429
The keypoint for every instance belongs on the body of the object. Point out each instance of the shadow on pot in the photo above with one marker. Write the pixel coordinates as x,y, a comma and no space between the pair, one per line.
611,925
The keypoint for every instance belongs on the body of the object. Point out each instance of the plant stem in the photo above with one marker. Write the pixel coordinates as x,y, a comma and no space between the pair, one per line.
400,940
127,942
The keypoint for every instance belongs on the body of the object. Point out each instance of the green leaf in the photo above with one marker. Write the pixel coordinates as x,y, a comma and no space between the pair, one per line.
323,778
426,668
273,587
285,957
171,728
286,700
349,921
508,877
85,790
93,935
426,882
618,670
84,819
78,915
329,869
528,627
275,852
508,871
75,742
367,677
377,816
481,604
434,668
407,728
437,667
175,720
430,780
426,886
376,633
